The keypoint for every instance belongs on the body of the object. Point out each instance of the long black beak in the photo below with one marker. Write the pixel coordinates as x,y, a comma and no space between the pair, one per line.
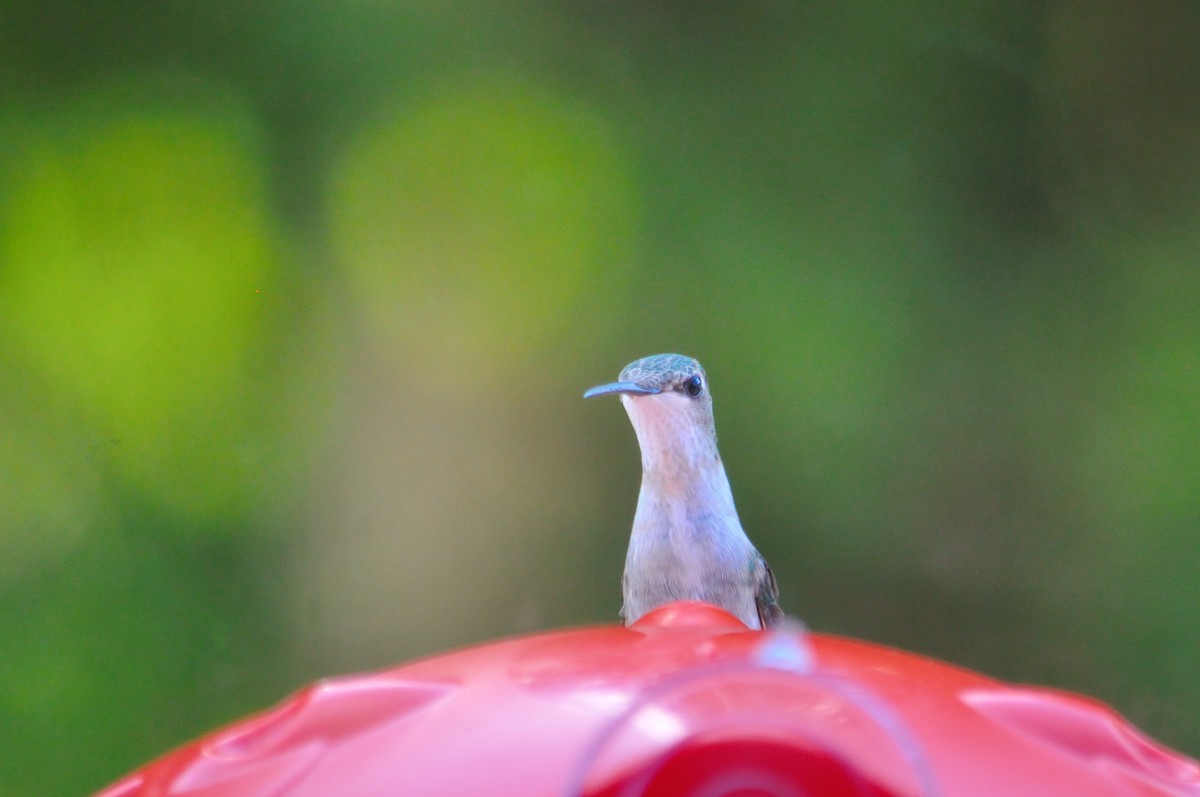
629,388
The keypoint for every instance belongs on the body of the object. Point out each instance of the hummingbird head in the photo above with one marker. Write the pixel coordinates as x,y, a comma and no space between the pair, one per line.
669,404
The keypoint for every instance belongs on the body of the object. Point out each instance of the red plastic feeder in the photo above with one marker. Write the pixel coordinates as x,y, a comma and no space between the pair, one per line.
686,702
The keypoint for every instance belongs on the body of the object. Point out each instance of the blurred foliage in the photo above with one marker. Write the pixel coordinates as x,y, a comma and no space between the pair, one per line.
487,207
296,305
136,248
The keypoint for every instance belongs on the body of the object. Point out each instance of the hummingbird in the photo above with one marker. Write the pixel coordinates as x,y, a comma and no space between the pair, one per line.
687,542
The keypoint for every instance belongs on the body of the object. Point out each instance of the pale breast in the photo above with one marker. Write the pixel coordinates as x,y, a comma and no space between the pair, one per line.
682,557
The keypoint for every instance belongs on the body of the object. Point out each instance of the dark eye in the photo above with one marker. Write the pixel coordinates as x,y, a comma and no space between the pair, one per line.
693,386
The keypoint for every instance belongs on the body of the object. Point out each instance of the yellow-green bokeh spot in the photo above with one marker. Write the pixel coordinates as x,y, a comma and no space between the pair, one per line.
473,221
133,249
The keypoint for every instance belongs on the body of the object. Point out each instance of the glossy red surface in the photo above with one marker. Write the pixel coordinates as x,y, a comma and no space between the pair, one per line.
687,702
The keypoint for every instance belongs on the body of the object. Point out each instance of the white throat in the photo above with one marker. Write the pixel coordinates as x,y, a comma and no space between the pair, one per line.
683,477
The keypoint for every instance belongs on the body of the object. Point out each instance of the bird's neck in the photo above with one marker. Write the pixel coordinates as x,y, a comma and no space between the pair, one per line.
685,500
701,478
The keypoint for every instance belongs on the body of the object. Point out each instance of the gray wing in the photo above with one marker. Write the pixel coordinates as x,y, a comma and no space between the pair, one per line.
766,596
624,592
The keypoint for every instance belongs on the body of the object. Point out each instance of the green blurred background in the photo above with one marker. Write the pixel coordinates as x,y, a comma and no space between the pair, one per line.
297,302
